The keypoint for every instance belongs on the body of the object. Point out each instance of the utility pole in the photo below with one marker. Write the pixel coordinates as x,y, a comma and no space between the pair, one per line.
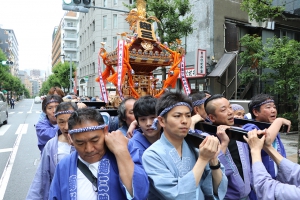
70,73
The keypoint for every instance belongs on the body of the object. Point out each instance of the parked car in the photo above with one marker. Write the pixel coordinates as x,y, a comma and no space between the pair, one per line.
3,109
37,100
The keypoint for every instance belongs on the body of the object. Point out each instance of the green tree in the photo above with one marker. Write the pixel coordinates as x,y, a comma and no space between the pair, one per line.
61,74
4,69
278,59
251,56
263,10
9,82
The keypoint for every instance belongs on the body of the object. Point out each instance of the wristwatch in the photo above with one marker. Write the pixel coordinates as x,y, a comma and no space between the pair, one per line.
216,166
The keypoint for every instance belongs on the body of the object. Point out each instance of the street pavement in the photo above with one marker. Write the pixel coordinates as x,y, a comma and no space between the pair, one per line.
290,142
19,154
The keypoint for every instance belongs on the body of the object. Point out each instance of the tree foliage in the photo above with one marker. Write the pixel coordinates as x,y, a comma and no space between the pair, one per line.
61,72
279,60
174,15
59,78
262,10
10,82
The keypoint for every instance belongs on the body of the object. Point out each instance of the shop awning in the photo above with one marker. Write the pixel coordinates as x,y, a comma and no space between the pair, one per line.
223,64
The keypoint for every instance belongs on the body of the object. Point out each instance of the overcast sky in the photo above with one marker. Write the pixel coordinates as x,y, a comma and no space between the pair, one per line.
33,22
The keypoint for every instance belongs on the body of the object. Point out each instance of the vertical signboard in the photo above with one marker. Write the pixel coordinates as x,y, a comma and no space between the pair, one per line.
201,62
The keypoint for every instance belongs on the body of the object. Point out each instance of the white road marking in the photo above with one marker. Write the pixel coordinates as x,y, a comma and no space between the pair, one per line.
5,150
29,112
3,129
36,161
11,112
22,129
20,112
31,106
9,164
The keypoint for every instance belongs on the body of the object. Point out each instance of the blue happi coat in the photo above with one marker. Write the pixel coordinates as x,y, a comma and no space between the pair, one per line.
172,178
40,185
287,185
64,184
269,164
139,141
238,187
45,131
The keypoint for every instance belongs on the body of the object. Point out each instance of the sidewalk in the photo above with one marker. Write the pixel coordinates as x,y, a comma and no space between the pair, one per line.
290,143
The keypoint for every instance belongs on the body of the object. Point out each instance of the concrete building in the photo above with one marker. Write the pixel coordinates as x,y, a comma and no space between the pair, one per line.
10,46
213,47
95,27
26,80
64,39
35,88
35,73
56,45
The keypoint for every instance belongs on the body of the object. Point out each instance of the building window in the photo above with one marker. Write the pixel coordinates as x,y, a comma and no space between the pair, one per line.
115,42
130,1
104,39
115,21
105,22
115,2
94,25
104,3
94,46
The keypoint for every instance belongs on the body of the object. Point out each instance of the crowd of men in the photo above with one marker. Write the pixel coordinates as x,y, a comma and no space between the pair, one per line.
145,154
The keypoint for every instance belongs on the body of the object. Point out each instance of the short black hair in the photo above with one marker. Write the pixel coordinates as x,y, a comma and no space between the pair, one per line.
63,106
206,91
122,110
48,99
256,100
194,96
210,109
170,98
85,114
144,106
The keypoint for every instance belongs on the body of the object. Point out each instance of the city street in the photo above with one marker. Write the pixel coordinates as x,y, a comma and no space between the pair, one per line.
19,154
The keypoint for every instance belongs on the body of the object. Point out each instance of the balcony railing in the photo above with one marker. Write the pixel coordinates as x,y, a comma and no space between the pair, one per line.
70,26
70,46
70,36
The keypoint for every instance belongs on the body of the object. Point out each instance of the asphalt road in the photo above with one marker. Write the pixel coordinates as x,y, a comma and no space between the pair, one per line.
19,154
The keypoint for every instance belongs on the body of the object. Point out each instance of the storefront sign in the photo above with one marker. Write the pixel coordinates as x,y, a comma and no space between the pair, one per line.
201,62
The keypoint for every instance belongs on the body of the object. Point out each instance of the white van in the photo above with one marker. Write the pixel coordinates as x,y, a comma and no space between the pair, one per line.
3,109
37,100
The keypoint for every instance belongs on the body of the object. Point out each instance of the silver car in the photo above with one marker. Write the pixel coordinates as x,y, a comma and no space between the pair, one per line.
3,109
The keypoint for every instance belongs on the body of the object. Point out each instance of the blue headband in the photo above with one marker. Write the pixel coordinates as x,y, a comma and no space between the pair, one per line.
237,107
87,129
63,112
51,101
166,110
264,102
199,102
